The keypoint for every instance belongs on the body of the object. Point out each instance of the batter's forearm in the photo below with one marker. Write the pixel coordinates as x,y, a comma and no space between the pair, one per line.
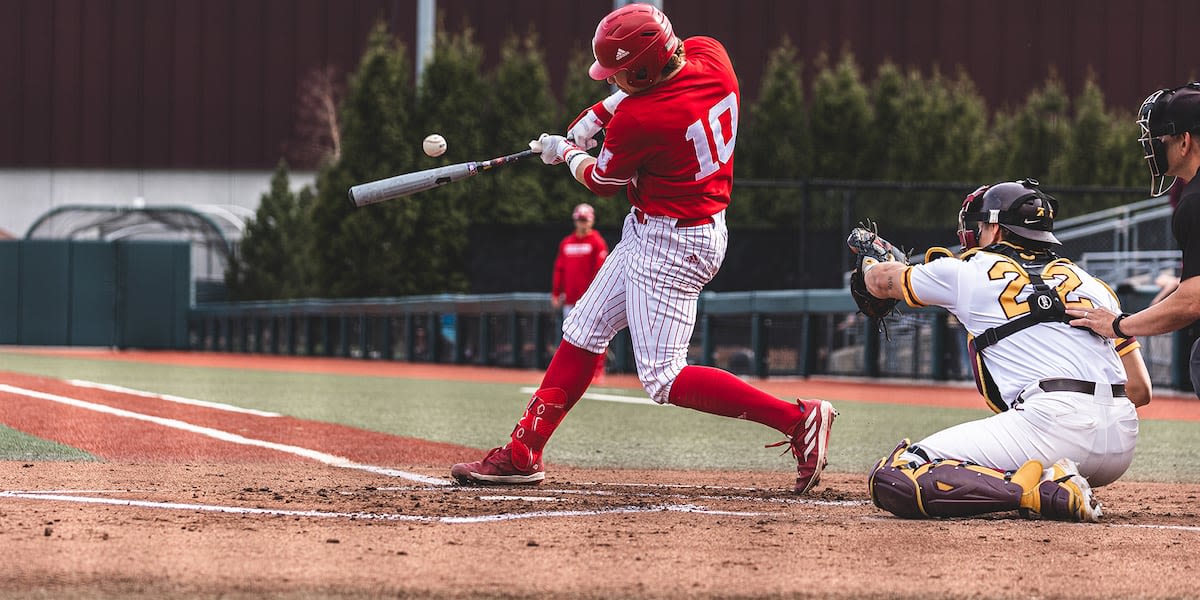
883,280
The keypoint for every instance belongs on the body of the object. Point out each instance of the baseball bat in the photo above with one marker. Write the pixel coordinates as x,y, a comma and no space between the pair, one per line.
410,183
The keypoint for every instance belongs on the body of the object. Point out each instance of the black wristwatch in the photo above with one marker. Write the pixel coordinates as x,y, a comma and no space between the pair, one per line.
1116,325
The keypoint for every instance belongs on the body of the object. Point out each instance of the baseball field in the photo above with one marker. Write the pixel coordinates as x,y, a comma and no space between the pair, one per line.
170,475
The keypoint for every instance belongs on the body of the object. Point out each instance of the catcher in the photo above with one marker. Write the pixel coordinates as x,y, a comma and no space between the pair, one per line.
1064,397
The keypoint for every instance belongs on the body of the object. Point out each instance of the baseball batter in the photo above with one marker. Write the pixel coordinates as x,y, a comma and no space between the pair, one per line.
669,140
1065,398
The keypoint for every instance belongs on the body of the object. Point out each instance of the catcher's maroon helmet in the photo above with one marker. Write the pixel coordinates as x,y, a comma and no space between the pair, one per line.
1018,206
636,38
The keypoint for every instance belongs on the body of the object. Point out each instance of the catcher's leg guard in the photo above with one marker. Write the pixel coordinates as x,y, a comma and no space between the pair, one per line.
1062,494
946,488
893,487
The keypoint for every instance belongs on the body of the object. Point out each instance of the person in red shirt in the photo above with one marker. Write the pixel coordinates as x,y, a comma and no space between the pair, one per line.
580,255
670,133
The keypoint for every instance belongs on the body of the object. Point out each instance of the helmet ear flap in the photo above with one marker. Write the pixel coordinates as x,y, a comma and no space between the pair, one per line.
969,238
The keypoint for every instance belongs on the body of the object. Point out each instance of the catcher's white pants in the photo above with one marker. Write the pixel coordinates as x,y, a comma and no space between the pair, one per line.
650,283
1098,432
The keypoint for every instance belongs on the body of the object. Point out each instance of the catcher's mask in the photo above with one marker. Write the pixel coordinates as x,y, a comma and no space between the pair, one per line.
1165,113
1018,206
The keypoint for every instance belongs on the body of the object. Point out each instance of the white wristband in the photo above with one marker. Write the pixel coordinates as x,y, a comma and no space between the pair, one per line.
574,157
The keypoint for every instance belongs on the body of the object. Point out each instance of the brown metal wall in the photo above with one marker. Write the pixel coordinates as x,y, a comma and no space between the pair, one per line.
212,83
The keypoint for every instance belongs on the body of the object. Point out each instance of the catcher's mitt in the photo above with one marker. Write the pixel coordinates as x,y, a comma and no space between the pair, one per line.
870,249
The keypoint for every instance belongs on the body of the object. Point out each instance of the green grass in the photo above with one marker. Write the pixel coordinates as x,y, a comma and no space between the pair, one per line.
598,434
15,445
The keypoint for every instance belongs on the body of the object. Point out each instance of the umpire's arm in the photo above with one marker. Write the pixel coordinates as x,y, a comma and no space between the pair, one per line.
883,280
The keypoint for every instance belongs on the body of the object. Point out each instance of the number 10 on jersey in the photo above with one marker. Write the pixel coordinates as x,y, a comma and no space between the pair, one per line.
721,140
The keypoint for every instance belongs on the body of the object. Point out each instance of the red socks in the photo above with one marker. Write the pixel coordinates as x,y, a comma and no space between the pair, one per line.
566,379
719,392
705,389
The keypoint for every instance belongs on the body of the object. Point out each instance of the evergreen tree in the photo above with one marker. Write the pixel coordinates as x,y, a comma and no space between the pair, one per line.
773,143
1102,148
890,93
840,119
521,107
452,98
399,247
968,120
1100,151
935,128
1036,134
272,258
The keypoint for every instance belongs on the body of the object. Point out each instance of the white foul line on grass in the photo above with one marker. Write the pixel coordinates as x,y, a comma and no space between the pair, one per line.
169,398
225,436
689,508
604,397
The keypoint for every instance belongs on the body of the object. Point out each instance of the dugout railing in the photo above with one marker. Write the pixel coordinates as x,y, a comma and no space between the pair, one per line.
761,334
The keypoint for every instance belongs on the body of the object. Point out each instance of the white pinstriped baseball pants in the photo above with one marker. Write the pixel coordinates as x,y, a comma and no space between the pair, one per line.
650,283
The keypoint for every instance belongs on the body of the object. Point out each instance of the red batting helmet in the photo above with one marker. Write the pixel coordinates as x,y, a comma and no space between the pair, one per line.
636,38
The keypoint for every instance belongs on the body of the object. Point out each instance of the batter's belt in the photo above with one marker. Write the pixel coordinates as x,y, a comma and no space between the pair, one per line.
679,223
1082,387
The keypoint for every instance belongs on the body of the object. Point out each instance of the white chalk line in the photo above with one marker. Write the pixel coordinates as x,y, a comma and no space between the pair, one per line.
604,397
369,516
225,436
169,398
1151,526
689,508
608,493
521,498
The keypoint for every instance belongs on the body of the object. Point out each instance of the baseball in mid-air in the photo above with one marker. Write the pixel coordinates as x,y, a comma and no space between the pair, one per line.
434,145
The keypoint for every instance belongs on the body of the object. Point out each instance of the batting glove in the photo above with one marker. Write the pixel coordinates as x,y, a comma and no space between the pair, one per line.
555,149
588,124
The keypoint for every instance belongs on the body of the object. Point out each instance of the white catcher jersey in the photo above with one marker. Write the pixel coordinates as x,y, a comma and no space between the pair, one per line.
985,289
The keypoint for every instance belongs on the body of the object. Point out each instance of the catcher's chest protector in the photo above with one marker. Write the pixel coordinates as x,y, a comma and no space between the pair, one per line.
1045,306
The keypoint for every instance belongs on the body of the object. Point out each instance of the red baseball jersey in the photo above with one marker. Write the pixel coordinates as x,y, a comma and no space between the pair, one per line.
671,146
579,259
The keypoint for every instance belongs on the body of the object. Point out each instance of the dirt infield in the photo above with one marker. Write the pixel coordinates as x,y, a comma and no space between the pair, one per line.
205,501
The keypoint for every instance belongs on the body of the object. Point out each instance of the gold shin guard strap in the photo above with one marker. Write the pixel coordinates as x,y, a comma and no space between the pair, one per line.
1060,494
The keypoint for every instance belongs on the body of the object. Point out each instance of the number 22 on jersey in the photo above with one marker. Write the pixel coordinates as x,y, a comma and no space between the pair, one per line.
704,139
1008,298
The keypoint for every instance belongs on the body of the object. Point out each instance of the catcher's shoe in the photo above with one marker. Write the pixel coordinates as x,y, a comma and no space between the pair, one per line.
497,468
809,440
1062,494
